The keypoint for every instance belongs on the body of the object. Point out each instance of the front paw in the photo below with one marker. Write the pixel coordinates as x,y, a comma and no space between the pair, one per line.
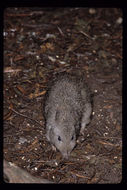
82,128
82,132
53,148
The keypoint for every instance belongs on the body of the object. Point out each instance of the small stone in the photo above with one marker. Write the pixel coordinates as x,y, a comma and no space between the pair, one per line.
5,33
62,62
119,20
22,140
56,163
51,58
93,113
37,57
108,24
92,11
105,134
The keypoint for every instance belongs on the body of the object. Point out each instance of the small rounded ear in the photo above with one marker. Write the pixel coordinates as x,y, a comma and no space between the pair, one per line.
48,127
49,131
57,131
50,134
47,135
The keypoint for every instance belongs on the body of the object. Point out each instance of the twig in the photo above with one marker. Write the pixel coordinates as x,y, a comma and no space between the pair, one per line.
77,48
86,35
107,143
10,70
25,14
110,137
31,96
61,32
25,116
78,175
48,26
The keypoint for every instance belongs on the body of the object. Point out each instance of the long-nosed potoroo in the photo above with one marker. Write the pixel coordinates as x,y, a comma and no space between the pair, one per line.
67,111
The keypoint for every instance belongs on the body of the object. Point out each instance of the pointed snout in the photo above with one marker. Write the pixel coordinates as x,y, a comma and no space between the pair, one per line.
66,154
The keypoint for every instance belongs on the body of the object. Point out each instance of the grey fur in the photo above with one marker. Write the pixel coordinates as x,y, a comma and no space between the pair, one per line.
67,111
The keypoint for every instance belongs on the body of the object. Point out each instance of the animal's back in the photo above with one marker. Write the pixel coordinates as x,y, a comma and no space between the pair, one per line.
68,91
67,105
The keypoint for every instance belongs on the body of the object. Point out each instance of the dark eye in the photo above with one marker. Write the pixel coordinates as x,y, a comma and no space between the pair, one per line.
59,138
72,138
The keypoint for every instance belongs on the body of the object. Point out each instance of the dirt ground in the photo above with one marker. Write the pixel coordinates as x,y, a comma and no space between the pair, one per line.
40,42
